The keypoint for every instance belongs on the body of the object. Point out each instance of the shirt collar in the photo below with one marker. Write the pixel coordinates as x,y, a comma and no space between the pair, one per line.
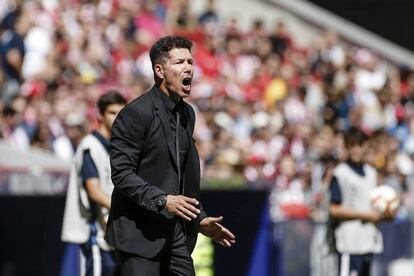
101,139
356,167
170,104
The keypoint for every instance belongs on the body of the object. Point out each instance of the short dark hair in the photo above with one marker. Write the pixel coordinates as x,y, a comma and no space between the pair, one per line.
109,98
160,49
354,137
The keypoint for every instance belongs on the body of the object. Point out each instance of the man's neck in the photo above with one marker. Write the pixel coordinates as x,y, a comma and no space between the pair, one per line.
175,98
104,132
171,94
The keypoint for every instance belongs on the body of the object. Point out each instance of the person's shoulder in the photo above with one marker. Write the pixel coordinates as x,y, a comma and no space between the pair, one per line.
190,109
140,106
189,106
17,41
341,166
140,101
87,141
341,169
369,168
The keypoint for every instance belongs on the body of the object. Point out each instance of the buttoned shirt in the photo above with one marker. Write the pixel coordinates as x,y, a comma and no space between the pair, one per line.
172,109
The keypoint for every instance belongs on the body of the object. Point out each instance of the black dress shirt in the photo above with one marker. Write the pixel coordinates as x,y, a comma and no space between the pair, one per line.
184,142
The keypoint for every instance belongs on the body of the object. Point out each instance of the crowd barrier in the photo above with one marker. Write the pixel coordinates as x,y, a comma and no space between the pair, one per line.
31,225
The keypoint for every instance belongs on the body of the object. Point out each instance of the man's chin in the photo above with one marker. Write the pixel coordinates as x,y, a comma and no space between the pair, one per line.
184,93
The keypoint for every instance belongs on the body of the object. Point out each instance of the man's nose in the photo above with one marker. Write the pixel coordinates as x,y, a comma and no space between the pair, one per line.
188,66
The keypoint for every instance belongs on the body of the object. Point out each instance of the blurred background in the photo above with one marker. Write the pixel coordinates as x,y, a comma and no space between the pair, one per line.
276,83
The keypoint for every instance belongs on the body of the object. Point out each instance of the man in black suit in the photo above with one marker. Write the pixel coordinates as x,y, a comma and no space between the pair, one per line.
155,213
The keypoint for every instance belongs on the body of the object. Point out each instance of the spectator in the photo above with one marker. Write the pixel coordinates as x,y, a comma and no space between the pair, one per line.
13,129
11,56
89,193
65,145
42,137
355,232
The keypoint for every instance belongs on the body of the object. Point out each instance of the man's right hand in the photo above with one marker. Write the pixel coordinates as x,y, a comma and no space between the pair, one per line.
182,206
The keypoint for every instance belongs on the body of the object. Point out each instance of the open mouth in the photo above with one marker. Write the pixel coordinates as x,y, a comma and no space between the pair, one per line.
186,83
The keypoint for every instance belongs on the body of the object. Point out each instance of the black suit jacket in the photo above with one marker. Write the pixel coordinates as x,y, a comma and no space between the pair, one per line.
144,166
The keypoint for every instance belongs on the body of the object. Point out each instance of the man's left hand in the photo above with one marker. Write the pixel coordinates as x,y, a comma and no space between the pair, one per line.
211,228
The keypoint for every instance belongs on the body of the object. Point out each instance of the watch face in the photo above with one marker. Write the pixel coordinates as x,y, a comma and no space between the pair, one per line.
161,201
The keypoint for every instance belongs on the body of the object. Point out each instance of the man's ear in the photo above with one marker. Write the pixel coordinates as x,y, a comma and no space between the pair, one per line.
159,71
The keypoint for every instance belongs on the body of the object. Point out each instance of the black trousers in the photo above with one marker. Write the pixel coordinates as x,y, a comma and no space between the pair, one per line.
173,260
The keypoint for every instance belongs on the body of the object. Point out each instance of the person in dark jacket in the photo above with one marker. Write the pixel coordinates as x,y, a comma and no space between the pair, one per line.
156,212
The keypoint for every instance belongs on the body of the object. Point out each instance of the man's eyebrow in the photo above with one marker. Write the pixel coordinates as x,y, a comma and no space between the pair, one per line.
181,59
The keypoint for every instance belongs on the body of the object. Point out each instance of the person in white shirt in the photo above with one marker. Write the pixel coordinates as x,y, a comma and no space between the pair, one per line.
89,193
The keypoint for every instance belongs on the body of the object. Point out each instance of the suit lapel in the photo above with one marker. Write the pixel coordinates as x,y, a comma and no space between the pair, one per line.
161,112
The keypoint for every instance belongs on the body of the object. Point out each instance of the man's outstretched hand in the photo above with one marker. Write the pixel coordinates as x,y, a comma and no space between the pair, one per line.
211,228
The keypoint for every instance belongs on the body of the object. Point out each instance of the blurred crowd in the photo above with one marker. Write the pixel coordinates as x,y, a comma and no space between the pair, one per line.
269,112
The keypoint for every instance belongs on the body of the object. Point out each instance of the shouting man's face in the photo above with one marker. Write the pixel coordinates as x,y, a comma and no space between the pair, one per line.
176,73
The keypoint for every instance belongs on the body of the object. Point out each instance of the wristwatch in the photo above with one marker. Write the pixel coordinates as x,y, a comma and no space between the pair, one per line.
161,201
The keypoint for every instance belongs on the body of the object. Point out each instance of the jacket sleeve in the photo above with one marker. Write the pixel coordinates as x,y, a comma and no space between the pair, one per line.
129,132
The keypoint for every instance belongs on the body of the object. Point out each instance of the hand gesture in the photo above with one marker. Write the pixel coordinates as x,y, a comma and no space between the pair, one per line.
182,206
211,228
